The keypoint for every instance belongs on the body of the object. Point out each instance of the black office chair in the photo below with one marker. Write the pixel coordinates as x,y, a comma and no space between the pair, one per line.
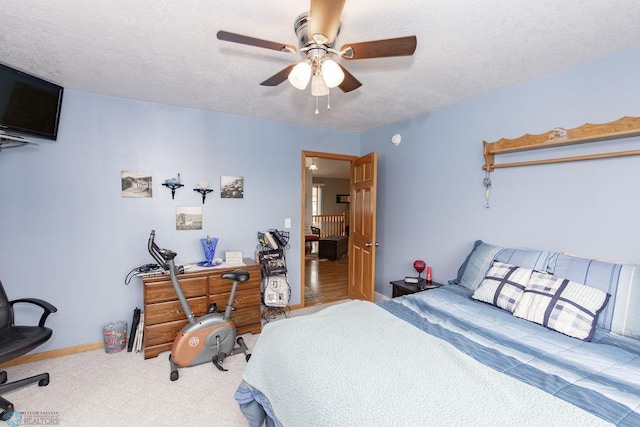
18,340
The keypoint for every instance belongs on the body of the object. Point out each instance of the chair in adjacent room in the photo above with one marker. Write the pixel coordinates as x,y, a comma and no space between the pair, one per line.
312,234
18,340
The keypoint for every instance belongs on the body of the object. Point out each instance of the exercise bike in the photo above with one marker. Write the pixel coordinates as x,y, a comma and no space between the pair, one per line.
209,338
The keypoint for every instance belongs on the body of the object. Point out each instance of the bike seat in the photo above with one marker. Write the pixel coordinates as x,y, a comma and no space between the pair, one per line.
237,276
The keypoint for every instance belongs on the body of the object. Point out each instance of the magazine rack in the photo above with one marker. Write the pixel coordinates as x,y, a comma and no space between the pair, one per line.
276,291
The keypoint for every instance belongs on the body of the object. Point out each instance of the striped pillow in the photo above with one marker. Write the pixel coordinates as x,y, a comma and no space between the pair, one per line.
620,280
478,262
529,258
562,305
503,285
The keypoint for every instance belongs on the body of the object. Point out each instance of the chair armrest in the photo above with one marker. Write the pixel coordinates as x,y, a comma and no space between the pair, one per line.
47,307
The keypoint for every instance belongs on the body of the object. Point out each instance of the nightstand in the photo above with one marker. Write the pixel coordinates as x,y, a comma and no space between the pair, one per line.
401,288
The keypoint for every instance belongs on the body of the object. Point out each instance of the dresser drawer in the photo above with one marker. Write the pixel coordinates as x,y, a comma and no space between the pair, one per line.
218,285
163,291
162,333
154,350
242,299
172,310
249,316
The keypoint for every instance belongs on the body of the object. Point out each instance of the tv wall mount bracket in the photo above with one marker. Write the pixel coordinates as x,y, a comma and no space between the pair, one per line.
13,141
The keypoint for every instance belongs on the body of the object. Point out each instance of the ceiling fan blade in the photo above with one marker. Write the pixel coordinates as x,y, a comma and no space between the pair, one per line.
278,77
324,20
401,46
252,41
349,83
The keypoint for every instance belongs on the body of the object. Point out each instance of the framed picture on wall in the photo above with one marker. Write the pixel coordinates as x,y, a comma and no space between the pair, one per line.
188,218
343,198
136,184
231,187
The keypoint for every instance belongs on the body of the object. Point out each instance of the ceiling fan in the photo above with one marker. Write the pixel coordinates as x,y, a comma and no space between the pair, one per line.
316,31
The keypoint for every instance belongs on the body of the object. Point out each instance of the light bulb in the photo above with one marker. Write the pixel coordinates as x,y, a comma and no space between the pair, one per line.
318,86
332,73
300,75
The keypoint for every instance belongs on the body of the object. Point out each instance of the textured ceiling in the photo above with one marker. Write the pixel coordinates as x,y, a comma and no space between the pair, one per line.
167,51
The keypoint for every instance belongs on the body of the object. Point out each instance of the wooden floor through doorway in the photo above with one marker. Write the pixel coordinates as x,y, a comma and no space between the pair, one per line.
326,281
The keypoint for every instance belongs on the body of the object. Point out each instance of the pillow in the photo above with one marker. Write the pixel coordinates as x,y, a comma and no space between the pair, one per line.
478,262
620,280
475,267
562,305
528,258
463,267
503,285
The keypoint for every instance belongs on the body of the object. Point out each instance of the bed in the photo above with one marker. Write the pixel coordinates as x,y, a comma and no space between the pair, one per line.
443,356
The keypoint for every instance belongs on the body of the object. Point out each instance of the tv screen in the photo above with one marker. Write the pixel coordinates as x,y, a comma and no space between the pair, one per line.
28,104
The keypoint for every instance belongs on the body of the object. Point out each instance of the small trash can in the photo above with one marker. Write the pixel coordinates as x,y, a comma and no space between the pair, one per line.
115,336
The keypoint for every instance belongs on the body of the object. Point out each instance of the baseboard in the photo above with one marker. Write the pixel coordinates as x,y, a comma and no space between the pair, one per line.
380,297
295,307
52,354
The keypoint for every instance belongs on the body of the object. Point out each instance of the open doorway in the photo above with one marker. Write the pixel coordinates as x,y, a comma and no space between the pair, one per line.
326,187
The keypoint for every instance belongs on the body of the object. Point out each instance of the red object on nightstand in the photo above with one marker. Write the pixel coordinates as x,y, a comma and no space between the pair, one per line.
419,265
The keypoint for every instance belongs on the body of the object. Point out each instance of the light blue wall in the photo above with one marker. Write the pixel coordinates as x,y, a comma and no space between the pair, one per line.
68,236
430,192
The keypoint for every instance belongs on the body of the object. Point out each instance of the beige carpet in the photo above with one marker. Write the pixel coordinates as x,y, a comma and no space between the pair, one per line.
122,389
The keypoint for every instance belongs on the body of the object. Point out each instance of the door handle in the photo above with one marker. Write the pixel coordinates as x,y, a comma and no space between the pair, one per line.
369,244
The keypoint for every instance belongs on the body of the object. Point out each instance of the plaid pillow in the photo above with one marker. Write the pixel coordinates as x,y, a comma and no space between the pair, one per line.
503,285
562,305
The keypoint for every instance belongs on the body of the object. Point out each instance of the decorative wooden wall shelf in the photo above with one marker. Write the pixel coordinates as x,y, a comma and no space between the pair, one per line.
623,128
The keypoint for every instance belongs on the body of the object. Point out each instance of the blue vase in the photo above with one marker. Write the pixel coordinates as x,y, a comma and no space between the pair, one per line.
209,248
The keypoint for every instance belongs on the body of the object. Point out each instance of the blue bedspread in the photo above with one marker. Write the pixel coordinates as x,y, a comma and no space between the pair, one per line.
602,376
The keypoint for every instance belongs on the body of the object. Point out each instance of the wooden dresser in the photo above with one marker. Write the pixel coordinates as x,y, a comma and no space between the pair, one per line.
164,316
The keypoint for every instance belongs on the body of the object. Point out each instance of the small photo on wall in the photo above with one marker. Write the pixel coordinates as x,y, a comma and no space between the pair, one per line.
231,187
136,184
188,218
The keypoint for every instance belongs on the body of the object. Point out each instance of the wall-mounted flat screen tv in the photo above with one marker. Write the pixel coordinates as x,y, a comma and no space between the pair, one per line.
28,104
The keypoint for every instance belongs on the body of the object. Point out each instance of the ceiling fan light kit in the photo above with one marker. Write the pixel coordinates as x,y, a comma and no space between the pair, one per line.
318,86
300,75
332,73
316,31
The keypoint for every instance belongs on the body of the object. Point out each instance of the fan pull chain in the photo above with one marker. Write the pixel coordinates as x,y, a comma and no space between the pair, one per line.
317,112
329,100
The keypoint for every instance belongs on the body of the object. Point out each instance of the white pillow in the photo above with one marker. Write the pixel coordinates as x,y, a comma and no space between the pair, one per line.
503,285
562,305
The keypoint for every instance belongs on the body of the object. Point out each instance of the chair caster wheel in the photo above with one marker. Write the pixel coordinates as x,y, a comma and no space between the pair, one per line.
174,376
3,377
43,382
247,357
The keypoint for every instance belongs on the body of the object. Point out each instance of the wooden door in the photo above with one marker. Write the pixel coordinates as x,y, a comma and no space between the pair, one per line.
362,250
